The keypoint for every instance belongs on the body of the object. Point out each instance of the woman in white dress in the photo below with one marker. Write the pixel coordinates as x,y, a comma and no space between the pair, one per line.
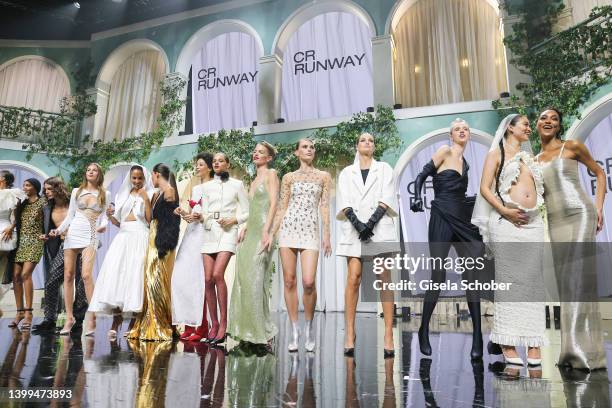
188,304
367,206
304,201
508,215
225,206
120,282
9,199
85,220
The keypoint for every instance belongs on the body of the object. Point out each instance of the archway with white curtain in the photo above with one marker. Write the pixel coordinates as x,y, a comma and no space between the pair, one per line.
130,81
23,171
221,63
447,51
325,49
33,82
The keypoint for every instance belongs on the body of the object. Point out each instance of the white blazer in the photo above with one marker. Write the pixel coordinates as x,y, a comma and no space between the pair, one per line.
222,200
364,199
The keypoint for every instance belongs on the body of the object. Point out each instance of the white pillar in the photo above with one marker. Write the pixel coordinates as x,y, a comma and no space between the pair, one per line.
382,70
168,79
269,97
94,125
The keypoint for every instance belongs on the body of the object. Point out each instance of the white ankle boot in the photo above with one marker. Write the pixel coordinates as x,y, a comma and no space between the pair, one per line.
309,334
295,335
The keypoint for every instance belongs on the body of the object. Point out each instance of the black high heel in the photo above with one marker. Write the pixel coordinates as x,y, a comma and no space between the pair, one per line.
494,348
16,322
350,351
424,341
388,353
216,341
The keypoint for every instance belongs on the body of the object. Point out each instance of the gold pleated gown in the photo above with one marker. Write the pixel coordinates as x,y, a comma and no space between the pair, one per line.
154,323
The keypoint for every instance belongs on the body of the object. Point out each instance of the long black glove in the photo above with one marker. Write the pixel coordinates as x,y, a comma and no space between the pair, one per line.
428,170
374,218
359,226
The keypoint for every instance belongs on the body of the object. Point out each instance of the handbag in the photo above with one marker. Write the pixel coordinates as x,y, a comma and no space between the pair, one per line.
10,244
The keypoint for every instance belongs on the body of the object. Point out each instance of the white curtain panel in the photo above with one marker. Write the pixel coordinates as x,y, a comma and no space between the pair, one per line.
33,83
449,51
582,8
340,42
224,83
135,99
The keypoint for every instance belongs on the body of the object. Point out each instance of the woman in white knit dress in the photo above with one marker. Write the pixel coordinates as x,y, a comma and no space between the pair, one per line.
510,217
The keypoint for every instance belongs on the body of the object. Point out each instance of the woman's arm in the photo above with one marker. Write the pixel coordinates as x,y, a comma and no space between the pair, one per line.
584,156
70,216
285,195
273,185
324,209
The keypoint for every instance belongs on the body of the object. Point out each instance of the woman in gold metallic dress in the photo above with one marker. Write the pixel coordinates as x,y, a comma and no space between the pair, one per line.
573,221
154,323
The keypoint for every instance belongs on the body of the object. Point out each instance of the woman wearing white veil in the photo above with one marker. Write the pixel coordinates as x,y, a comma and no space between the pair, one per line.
120,284
507,212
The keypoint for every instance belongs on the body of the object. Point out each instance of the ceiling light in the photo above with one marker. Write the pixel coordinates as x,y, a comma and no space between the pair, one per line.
77,4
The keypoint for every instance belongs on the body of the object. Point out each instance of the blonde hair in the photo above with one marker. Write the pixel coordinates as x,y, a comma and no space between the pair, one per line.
269,147
99,184
456,121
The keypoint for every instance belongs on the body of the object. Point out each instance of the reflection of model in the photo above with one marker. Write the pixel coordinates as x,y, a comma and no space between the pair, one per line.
119,286
54,214
304,194
29,247
366,204
188,304
9,199
512,186
250,319
155,320
84,221
450,224
572,217
224,206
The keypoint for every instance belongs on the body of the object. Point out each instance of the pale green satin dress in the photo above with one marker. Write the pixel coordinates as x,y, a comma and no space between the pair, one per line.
249,314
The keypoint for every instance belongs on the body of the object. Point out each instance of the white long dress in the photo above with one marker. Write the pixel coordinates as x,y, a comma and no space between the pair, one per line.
188,274
120,283
9,198
519,317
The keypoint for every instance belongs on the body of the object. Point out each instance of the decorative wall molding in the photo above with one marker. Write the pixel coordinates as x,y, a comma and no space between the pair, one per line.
44,44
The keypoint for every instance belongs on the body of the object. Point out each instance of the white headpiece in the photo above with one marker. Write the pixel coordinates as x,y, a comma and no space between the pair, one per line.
482,208
126,187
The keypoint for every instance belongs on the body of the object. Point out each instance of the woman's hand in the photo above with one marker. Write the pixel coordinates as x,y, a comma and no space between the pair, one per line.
110,210
53,233
193,217
227,222
266,242
600,220
515,216
327,246
179,211
100,230
43,237
7,233
241,235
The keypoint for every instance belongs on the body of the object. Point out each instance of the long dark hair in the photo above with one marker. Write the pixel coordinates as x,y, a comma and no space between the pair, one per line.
208,159
561,130
163,170
60,191
503,155
8,177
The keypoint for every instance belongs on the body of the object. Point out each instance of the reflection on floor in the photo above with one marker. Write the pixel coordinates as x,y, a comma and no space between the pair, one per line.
103,373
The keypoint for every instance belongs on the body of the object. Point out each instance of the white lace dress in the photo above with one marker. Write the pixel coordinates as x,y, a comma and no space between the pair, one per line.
519,317
303,196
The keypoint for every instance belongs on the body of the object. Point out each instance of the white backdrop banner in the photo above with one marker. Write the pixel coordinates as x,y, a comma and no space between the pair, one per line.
327,68
224,83
598,143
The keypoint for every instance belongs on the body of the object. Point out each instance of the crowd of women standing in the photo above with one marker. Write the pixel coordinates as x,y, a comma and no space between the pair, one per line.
144,275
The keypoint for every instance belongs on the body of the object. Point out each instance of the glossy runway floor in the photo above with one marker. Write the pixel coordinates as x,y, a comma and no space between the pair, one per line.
103,373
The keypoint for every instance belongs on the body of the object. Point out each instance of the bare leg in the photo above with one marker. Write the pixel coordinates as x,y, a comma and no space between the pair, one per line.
211,294
221,262
70,256
18,292
289,260
28,287
386,298
351,296
309,260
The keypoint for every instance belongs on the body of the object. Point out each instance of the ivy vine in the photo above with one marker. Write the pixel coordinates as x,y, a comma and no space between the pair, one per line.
566,69
335,147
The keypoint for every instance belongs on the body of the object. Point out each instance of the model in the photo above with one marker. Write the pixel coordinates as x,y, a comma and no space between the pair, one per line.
54,214
120,282
85,220
573,218
511,195
250,319
188,304
450,224
154,322
367,206
304,202
29,217
225,206
9,199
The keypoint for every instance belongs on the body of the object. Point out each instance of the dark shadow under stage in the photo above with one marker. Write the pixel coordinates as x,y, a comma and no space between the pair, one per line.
103,373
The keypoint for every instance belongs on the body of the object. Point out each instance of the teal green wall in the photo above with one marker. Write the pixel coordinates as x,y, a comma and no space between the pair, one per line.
39,161
70,59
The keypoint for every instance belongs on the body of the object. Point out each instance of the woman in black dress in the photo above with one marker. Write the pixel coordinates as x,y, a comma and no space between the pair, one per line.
451,212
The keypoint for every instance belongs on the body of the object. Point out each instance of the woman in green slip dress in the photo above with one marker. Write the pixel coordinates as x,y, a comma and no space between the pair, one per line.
249,318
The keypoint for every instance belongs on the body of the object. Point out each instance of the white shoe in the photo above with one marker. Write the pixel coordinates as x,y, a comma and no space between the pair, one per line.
514,360
309,345
534,361
295,335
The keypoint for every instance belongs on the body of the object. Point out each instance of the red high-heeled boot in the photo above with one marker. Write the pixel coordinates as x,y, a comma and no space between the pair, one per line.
202,330
189,330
